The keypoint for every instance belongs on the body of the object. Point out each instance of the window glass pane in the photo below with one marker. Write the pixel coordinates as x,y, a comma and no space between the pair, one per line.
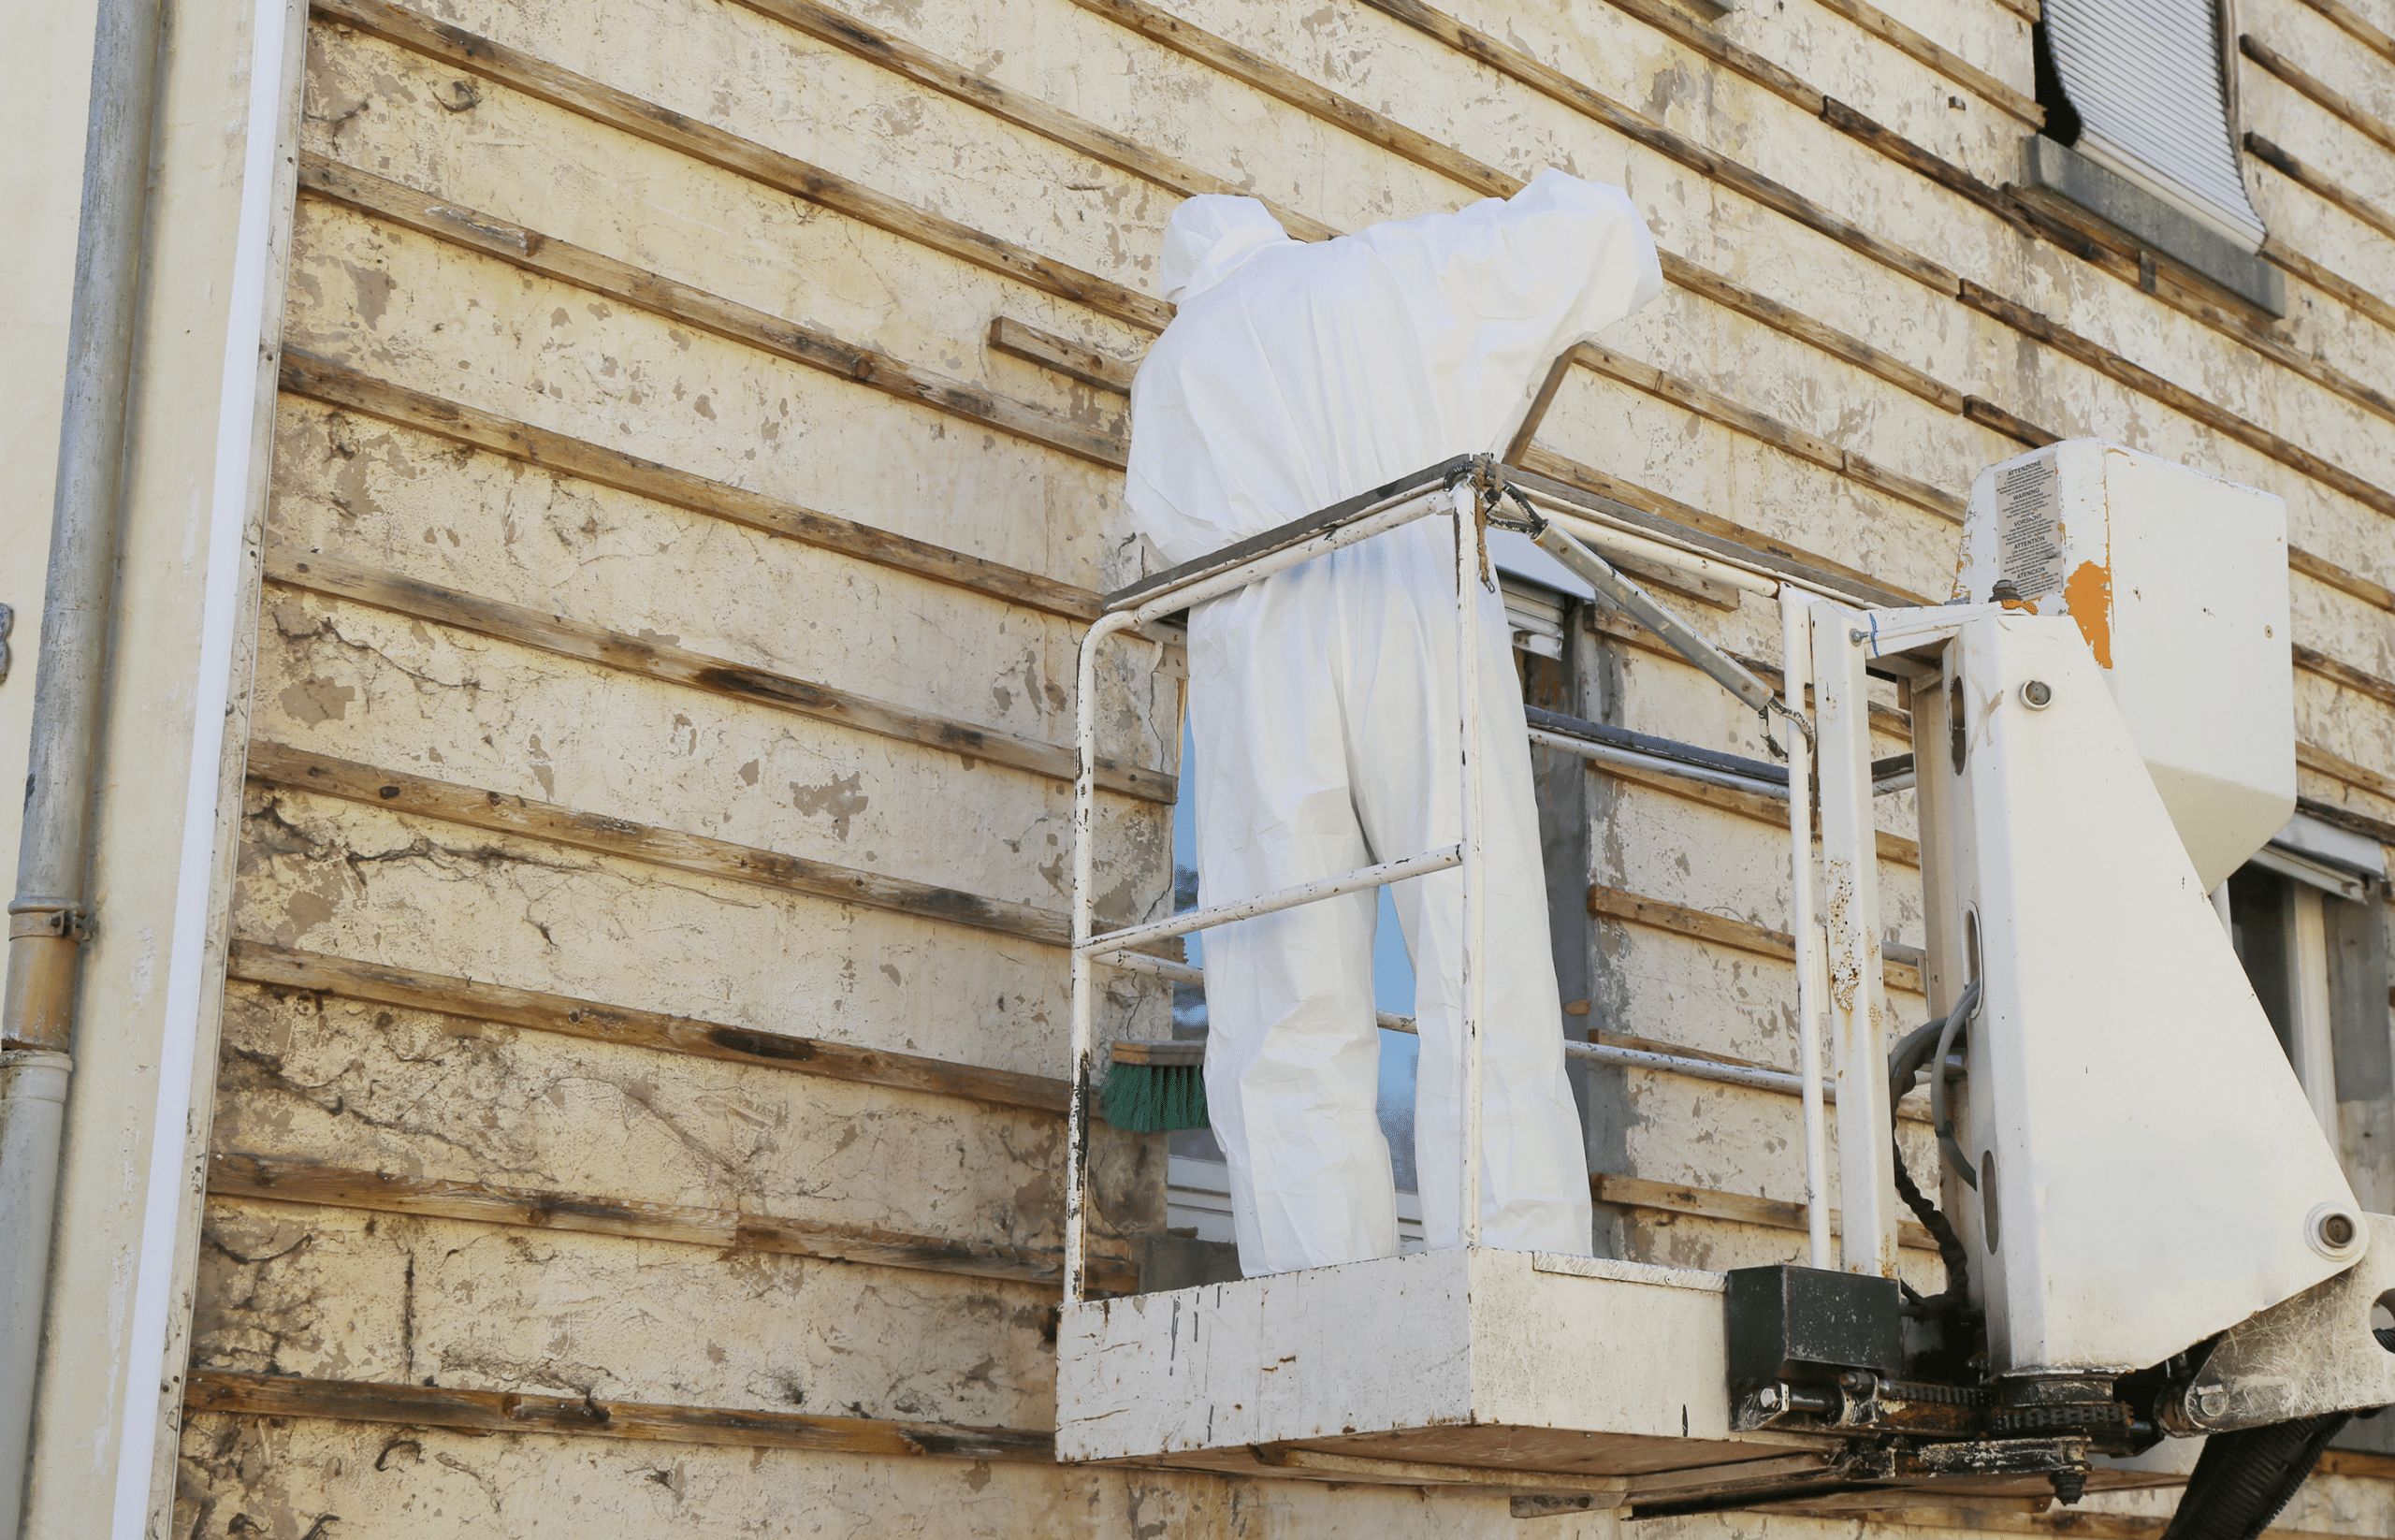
2257,928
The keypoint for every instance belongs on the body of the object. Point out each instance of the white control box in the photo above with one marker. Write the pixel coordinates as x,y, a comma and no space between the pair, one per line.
2178,581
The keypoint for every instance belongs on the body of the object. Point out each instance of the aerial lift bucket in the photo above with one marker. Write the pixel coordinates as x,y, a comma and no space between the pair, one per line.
2146,1235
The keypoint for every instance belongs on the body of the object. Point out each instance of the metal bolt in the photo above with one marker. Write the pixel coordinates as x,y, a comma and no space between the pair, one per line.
2037,694
2331,1229
2069,1486
2209,1401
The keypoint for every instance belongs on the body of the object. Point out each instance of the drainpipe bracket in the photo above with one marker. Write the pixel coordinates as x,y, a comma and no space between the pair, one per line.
72,924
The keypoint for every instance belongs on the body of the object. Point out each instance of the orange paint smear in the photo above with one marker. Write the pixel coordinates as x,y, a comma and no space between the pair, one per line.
2089,594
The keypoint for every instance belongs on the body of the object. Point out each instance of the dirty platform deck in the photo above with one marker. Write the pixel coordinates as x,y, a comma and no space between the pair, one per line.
1478,1370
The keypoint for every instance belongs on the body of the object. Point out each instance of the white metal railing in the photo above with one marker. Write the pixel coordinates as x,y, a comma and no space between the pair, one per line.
1134,937
1825,642
1454,494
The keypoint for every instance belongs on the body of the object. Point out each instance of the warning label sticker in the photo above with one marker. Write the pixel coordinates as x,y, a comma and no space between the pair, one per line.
2029,506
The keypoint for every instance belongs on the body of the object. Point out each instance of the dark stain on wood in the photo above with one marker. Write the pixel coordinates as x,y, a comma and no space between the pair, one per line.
506,1412
674,665
285,968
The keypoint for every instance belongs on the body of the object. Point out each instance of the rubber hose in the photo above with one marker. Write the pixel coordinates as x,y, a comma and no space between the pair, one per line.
2242,1480
1905,1061
1941,1116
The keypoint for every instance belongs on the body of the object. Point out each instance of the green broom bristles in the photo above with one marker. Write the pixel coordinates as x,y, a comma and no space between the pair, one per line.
1154,1086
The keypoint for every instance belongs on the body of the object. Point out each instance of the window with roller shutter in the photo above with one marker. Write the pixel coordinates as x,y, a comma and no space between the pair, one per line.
2150,85
2141,148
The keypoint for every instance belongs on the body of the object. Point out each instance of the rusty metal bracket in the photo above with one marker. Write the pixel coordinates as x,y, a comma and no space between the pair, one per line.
73,924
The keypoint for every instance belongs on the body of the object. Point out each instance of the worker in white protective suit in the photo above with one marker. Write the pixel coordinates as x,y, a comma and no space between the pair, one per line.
1324,699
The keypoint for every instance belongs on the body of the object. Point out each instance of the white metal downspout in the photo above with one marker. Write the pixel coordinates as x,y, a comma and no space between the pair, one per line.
1851,891
47,919
1084,1046
33,1118
1796,665
1468,575
155,1350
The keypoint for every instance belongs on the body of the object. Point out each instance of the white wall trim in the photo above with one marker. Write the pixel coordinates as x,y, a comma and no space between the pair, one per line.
194,973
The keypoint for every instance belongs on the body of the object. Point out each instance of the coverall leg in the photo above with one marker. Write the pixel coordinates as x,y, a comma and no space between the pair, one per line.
1324,706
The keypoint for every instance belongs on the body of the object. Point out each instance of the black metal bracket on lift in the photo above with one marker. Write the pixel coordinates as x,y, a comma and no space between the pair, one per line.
1814,1351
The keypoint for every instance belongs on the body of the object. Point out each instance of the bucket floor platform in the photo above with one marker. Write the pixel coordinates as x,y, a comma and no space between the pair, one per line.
1483,1370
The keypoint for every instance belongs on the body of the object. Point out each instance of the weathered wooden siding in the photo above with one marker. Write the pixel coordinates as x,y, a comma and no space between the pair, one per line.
649,1004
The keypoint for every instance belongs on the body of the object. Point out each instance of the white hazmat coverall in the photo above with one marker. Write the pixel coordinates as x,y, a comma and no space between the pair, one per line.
1324,700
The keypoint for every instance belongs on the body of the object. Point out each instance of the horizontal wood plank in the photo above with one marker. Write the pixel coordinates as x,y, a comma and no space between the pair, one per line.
1717,408
597,1021
1614,623
506,1412
660,125
2313,757
1689,33
2077,1523
1718,930
1927,163
2344,817
1630,1192
674,666
2360,1462
1794,323
2313,660
1108,148
2333,285
1857,585
498,812
1911,1111
671,300
338,386
2356,27
249,1177
1936,501
1938,60
1098,371
1990,416
2319,183
2146,383
1747,804
2317,91
1160,26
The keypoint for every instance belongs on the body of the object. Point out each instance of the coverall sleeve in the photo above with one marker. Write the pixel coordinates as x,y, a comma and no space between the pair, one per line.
1518,280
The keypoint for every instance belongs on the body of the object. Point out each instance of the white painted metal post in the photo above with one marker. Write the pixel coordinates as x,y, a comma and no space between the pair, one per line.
1796,664
1084,1006
1465,497
1850,891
